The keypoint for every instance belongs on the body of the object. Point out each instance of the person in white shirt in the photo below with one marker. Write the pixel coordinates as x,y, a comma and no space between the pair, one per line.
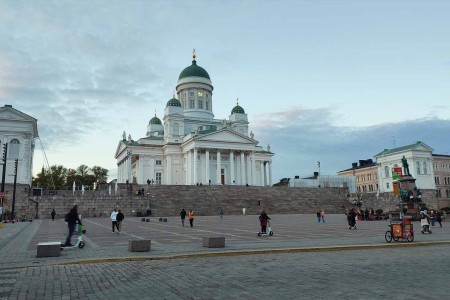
114,220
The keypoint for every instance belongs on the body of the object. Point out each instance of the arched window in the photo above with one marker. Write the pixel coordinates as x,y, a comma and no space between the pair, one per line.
176,129
418,167
14,147
425,171
386,172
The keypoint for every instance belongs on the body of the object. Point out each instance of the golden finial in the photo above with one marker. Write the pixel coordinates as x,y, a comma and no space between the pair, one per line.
193,54
237,101
155,112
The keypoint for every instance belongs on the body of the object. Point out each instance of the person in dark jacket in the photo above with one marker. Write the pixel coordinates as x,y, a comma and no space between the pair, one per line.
183,216
263,220
119,219
53,214
72,219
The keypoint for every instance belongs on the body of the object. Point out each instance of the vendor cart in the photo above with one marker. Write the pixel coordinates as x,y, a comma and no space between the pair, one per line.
400,230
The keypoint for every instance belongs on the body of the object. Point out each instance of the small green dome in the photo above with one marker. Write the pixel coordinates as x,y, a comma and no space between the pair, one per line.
173,102
238,110
155,120
193,71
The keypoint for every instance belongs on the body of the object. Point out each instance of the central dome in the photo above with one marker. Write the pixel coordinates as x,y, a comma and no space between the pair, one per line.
194,71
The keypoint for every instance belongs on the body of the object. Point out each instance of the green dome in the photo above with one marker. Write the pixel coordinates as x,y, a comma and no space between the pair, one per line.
193,71
155,120
173,102
238,110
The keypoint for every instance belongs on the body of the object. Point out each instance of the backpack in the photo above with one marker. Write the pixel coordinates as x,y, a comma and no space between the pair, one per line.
422,216
261,218
66,218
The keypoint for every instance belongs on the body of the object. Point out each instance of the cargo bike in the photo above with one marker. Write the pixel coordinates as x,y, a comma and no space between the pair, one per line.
400,230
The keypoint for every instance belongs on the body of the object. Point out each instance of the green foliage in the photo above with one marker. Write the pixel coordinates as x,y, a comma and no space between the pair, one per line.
58,177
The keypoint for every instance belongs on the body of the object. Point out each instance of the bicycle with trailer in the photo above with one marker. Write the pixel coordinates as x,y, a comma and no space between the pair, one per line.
400,230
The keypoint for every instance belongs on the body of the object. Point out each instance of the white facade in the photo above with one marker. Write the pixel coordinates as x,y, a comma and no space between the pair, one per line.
19,131
420,164
191,147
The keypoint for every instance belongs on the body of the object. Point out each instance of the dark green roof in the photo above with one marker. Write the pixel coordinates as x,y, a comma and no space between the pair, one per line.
193,71
155,120
237,110
173,102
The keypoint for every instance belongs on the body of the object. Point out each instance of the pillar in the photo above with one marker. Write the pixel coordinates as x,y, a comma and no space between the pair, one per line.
207,167
169,170
232,180
195,165
218,169
242,168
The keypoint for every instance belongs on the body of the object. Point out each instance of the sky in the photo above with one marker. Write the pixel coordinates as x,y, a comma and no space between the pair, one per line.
321,81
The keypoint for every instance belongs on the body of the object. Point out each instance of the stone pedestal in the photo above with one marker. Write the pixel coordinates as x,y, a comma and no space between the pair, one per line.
139,245
214,242
49,249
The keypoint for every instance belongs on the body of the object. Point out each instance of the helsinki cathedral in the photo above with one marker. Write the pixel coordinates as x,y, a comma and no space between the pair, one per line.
189,147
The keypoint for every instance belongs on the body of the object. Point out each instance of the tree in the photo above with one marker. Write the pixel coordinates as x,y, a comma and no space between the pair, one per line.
100,174
71,177
58,175
82,170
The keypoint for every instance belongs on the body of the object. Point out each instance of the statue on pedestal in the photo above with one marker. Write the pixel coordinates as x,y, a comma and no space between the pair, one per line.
405,165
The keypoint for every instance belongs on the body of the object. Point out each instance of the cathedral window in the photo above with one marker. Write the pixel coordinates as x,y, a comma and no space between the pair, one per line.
418,167
386,172
207,104
14,147
425,171
158,162
192,103
184,95
200,104
158,178
191,94
207,96
176,129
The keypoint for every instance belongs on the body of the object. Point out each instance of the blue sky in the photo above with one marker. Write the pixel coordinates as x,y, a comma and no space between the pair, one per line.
329,81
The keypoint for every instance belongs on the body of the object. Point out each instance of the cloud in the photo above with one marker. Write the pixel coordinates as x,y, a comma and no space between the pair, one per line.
302,137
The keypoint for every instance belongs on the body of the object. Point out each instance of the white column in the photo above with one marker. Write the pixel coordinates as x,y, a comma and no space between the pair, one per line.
242,168
266,171
254,169
169,169
207,167
188,168
218,169
263,182
195,166
270,173
140,171
232,167
152,168
249,170
129,169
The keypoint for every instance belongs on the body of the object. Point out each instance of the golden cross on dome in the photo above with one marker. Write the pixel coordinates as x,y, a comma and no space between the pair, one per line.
155,112
193,54
237,101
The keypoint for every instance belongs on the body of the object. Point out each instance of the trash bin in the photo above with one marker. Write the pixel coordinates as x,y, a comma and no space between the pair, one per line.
138,214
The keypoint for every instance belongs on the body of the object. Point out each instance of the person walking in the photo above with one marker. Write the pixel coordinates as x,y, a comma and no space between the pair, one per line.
114,220
183,216
53,213
72,219
191,217
322,215
243,211
318,216
119,219
221,213
439,218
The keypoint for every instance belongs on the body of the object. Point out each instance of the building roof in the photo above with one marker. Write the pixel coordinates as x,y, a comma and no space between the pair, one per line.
401,149
237,110
173,102
155,120
193,71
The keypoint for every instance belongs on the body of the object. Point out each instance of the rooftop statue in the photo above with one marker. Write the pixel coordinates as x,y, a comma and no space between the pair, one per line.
405,165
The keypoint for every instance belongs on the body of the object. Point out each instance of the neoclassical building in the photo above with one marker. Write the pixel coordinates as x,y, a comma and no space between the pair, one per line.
190,147
18,132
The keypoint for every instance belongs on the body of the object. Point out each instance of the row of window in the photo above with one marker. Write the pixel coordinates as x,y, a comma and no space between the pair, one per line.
200,94
439,194
362,178
367,188
437,180
443,167
421,168
201,104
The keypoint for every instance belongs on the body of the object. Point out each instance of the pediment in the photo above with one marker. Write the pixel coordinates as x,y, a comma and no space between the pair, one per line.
225,135
423,148
9,113
120,148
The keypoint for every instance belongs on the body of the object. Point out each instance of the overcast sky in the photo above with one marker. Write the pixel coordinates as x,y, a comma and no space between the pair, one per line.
328,81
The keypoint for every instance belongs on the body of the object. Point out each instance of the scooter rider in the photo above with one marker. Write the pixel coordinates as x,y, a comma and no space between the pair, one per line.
263,220
71,218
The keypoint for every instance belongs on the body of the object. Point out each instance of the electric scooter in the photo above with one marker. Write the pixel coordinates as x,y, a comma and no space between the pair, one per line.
268,230
80,243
